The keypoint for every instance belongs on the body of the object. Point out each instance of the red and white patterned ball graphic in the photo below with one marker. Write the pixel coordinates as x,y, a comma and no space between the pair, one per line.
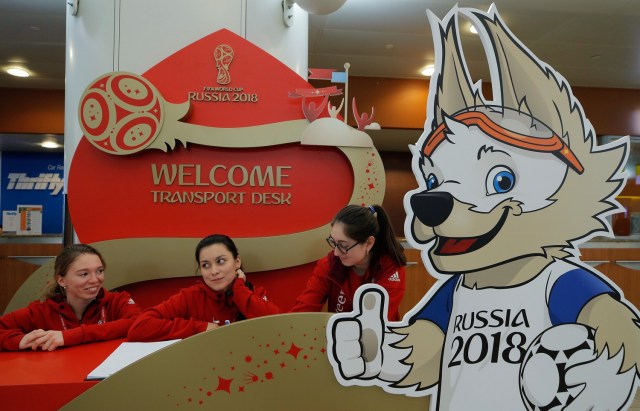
121,113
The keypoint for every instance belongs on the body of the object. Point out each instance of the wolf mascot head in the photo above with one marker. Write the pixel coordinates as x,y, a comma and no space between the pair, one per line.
493,173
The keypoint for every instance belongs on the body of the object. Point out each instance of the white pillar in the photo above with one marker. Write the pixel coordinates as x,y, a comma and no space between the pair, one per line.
135,35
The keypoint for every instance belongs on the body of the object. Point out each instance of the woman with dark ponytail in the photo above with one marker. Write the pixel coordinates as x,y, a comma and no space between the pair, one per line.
222,296
365,250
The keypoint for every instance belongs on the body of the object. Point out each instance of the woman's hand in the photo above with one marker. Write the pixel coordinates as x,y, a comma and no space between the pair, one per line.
212,326
51,341
28,340
41,339
240,274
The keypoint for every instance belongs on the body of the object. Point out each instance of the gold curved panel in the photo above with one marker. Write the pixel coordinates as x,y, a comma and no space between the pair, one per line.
269,363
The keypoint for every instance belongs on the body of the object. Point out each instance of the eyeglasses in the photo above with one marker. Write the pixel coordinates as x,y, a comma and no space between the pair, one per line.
332,243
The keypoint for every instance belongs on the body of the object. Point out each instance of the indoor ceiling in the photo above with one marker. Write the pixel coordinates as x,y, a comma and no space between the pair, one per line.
590,42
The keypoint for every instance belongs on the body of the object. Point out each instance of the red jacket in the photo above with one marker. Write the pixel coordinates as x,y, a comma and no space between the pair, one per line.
107,317
190,311
336,283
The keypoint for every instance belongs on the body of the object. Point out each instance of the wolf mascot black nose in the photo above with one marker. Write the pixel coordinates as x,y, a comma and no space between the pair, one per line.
432,209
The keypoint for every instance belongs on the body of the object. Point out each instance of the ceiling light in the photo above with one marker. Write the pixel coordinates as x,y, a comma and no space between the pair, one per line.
473,29
320,7
428,71
18,72
50,144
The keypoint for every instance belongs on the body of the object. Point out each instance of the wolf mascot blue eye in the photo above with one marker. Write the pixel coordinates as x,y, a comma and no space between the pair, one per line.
500,180
432,182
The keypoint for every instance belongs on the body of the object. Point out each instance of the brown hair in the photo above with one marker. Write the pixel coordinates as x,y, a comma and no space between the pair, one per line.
64,261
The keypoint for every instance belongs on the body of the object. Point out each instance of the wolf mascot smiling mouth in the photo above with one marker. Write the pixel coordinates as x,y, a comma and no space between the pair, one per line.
507,190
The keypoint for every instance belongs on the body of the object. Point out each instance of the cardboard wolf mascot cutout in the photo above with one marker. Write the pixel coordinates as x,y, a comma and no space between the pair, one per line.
508,188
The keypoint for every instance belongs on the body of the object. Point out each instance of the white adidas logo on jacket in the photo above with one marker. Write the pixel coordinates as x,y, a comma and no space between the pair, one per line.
394,277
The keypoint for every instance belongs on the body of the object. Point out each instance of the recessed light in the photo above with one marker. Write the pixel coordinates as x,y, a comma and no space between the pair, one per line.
18,72
428,71
50,144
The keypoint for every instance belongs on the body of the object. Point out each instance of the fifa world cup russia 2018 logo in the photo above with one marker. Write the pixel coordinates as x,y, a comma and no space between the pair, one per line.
223,54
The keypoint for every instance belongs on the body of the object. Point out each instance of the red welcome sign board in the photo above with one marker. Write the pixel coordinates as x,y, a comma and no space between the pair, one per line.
115,197
191,191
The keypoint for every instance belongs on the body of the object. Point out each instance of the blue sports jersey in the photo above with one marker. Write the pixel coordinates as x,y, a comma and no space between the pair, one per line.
488,330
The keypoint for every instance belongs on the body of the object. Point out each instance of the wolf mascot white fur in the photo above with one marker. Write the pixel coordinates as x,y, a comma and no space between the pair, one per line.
507,190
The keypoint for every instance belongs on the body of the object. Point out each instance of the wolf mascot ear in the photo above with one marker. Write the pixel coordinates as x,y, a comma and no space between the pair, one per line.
451,75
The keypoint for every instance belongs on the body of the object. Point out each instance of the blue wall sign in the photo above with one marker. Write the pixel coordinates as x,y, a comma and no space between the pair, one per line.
34,179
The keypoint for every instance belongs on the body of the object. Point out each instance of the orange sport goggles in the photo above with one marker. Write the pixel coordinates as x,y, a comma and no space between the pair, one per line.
554,144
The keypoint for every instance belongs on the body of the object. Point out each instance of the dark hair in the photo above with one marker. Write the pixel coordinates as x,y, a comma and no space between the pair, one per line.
64,260
361,222
231,246
216,239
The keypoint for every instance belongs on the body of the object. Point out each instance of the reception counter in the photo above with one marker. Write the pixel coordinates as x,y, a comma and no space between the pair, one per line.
276,362
36,380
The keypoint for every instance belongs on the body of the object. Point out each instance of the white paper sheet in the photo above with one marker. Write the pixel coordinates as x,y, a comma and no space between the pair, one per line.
10,221
127,353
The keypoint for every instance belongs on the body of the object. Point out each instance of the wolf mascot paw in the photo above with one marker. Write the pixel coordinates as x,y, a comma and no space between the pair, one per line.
605,388
358,339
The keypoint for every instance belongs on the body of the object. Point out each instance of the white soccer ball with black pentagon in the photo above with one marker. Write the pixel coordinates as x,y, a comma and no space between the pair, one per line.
550,355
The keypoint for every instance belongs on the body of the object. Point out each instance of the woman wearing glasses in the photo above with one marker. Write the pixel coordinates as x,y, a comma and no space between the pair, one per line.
365,250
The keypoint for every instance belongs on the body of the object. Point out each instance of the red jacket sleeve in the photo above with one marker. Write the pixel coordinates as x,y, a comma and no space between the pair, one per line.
395,286
167,321
13,327
121,312
317,290
254,303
